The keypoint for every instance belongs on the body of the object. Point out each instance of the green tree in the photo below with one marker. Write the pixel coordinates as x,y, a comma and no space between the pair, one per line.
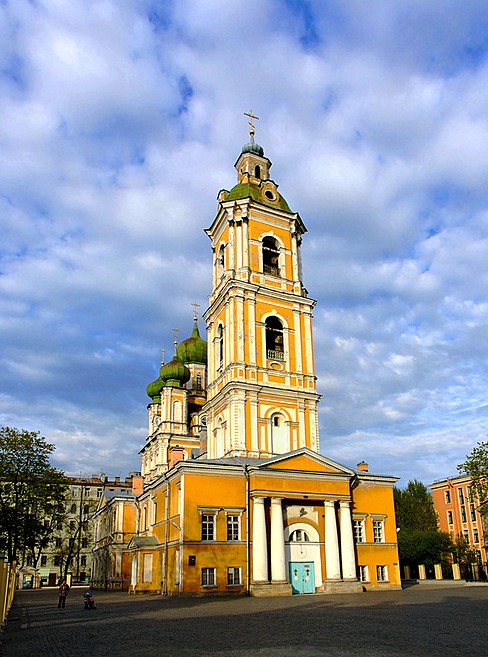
414,507
476,467
419,540
428,547
463,552
32,494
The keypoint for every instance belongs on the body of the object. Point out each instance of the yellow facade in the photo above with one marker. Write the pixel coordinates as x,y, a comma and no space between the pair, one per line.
256,508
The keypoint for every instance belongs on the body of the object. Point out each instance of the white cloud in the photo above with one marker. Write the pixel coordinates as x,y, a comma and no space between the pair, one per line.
120,123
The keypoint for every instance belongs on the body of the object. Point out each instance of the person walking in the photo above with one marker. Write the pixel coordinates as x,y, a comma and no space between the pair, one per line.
63,593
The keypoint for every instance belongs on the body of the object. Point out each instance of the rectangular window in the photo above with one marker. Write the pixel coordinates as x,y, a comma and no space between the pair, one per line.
47,524
378,534
233,576
208,577
363,575
84,543
43,560
461,495
57,561
178,499
470,494
83,561
58,542
476,536
233,528
358,526
72,525
473,513
382,573
448,496
449,517
463,514
208,527
466,535
147,562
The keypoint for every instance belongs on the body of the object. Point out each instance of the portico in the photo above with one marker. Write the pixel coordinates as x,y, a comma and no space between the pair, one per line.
279,524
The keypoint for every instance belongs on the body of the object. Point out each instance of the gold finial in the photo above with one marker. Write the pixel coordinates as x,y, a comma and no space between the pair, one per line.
196,306
162,355
252,127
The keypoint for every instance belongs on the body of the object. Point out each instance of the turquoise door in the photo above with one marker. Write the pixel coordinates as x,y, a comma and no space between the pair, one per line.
302,577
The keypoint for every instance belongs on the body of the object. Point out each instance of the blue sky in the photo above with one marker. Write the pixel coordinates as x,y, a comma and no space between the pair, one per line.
120,123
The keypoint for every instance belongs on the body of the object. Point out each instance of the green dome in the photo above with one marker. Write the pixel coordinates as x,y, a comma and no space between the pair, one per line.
193,349
257,193
174,373
154,390
252,147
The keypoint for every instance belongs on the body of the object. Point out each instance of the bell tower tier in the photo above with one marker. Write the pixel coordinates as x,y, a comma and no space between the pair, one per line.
261,388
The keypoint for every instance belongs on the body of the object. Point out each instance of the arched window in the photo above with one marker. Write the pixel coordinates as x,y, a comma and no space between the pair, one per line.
271,254
299,536
198,381
257,171
274,339
279,435
220,345
177,411
221,260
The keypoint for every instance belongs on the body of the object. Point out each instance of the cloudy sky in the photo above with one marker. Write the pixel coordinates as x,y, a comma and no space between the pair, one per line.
120,122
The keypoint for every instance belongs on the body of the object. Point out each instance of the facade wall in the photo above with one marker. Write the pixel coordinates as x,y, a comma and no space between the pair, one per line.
458,513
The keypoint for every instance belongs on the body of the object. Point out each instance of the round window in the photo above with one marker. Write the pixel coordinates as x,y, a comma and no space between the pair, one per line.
269,194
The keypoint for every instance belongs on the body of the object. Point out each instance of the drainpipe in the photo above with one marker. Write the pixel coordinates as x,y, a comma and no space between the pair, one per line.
164,587
248,528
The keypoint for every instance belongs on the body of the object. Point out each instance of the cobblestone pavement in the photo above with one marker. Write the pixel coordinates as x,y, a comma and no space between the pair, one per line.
418,621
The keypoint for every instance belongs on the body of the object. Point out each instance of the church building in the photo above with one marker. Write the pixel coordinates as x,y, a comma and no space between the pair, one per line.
236,496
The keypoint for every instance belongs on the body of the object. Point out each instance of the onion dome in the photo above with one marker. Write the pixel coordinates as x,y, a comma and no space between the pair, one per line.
154,390
193,349
174,373
253,147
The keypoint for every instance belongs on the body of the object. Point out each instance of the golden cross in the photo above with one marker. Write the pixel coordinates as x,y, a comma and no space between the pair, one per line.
162,355
196,306
175,333
251,117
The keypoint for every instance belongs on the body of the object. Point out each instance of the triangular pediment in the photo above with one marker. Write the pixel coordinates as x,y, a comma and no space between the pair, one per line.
305,460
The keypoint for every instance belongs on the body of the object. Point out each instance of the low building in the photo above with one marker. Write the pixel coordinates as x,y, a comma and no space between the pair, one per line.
74,536
458,514
114,525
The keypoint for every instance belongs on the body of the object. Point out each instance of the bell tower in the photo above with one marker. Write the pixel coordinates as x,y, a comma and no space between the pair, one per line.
261,388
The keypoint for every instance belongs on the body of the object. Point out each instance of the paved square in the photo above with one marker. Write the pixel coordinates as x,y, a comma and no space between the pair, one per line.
419,621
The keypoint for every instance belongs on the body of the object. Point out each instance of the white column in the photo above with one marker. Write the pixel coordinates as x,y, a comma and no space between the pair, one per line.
278,566
294,256
259,542
245,246
241,326
298,339
251,326
332,560
238,264
347,542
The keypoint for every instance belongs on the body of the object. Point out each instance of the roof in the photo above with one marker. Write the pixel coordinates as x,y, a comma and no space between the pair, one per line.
143,541
110,494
